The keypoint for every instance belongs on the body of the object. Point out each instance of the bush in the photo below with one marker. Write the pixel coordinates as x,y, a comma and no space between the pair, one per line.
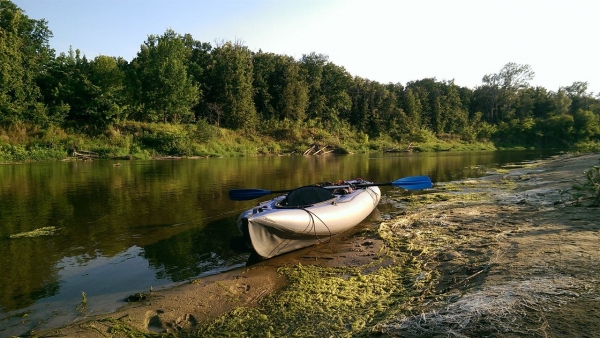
593,184
423,135
205,131
22,153
168,142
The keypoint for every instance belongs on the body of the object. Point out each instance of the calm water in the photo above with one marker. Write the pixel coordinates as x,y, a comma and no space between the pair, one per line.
124,228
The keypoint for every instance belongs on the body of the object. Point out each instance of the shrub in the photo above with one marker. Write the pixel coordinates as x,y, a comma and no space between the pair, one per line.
205,131
593,184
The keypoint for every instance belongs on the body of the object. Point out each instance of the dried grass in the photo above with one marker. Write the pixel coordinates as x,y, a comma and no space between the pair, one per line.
497,308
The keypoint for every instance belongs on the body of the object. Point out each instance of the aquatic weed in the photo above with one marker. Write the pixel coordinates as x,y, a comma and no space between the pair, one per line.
45,231
323,301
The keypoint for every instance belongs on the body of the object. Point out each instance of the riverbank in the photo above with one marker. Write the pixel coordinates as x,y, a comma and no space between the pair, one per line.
513,253
138,140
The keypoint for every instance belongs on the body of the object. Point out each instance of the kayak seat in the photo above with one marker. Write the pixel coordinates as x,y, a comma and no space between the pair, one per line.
306,196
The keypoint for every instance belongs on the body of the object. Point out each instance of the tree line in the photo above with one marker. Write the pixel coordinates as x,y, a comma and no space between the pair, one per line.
176,79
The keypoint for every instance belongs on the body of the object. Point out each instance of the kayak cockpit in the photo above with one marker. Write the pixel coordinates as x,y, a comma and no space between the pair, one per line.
305,197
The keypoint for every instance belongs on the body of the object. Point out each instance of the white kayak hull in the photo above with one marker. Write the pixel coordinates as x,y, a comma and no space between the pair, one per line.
271,230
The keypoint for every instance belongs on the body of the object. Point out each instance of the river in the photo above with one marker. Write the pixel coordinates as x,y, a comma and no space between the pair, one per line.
115,228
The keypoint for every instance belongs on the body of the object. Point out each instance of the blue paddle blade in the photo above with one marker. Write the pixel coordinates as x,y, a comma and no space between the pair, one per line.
413,183
247,194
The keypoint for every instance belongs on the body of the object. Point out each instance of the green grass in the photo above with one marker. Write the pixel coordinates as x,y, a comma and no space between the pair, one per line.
139,140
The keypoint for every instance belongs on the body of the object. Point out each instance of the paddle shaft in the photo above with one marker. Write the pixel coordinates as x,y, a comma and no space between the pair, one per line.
409,183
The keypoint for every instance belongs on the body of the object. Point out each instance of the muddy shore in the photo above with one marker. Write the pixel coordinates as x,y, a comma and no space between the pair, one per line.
513,253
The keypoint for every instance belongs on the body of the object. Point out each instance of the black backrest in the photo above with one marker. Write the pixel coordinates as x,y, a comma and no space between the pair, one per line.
308,195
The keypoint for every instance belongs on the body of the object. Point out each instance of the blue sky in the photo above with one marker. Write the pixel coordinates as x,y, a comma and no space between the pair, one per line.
381,40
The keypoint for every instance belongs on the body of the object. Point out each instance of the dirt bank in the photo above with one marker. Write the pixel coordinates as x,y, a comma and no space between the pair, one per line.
514,253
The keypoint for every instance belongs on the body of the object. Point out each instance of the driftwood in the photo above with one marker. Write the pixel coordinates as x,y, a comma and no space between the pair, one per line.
396,149
310,150
316,149
85,155
320,150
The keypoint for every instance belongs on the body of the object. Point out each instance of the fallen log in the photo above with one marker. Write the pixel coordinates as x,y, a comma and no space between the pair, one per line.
320,150
309,150
85,155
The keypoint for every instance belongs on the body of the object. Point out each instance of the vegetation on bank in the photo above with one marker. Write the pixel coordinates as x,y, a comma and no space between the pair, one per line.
142,140
180,96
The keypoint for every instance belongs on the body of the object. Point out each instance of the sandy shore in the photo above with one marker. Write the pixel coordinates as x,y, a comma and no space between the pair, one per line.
514,253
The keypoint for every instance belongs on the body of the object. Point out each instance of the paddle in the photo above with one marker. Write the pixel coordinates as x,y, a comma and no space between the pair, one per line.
409,183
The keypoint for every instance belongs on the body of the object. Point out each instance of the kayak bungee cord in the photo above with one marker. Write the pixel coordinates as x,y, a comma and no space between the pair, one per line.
312,216
375,198
309,228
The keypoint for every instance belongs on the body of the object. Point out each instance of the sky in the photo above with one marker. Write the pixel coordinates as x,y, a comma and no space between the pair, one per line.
381,40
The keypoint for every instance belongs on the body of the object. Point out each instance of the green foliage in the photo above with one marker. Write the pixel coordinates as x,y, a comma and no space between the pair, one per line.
523,132
230,79
590,188
206,132
166,91
485,131
593,183
312,72
586,126
21,153
591,146
499,94
423,135
24,54
280,91
162,139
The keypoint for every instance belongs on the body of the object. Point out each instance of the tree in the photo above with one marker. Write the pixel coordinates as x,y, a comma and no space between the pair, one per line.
542,103
586,126
83,94
580,98
370,112
67,89
312,70
280,92
166,91
557,130
198,64
336,82
413,109
263,65
424,93
230,82
294,97
24,54
561,103
525,103
499,92
107,78
454,117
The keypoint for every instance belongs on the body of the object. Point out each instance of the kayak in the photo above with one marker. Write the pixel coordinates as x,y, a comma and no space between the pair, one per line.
306,216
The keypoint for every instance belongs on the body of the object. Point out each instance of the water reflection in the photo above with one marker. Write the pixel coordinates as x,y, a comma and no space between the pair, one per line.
195,252
122,229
